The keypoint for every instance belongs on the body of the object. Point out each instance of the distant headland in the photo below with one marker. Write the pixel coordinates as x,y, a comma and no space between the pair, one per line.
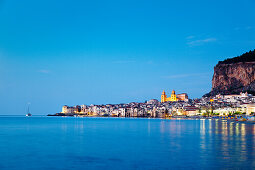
234,75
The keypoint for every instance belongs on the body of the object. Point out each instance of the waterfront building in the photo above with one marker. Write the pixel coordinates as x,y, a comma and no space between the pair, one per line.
66,109
115,113
249,108
122,112
190,110
173,97
223,111
77,109
84,109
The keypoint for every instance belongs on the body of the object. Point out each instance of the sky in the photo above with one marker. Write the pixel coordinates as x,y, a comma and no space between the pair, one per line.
55,53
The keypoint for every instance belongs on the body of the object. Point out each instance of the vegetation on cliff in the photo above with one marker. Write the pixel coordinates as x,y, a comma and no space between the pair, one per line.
246,57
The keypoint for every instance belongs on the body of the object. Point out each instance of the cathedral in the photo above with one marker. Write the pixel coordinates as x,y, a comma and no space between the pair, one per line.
174,97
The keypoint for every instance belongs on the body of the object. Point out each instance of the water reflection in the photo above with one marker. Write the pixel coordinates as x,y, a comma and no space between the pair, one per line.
227,140
228,144
97,143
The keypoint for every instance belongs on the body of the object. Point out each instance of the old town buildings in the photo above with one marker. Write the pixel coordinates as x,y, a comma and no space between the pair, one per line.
175,105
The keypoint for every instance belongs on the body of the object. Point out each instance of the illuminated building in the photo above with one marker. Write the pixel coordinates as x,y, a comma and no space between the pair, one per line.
67,109
173,97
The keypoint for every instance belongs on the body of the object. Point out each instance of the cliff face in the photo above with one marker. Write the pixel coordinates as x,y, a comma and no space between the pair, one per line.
234,75
233,78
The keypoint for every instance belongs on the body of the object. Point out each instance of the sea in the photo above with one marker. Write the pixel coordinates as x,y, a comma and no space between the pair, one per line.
50,143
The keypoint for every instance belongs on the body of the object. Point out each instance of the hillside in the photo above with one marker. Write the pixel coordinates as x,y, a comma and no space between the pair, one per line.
234,75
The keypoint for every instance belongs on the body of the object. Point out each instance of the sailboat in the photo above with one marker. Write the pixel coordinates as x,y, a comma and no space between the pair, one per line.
28,112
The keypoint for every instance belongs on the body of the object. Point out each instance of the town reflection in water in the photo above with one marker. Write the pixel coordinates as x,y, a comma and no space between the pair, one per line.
232,140
221,141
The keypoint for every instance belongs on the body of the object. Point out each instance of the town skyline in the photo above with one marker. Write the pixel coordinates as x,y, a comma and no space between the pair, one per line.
55,53
175,106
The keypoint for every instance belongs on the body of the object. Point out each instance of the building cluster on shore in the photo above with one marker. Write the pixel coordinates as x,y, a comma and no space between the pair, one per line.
175,105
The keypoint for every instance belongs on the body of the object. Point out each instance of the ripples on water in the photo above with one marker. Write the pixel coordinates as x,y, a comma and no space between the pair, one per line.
118,143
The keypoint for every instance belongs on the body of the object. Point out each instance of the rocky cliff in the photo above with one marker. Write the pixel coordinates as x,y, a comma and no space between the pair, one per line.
234,75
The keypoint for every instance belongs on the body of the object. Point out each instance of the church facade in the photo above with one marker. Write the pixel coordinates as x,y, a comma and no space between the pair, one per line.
173,97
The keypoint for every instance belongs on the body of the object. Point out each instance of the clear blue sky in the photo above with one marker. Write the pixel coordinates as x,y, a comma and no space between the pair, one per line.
54,53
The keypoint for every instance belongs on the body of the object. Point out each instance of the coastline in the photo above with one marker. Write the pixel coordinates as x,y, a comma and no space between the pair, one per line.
228,119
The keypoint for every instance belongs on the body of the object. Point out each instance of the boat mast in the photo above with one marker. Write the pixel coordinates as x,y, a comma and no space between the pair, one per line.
28,108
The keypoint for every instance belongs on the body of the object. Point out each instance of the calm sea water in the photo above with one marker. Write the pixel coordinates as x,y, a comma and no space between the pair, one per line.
119,143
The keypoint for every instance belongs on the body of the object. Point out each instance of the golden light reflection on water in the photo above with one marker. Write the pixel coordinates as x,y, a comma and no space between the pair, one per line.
232,138
253,127
202,135
218,140
237,129
231,130
210,127
243,142
225,139
202,127
243,131
216,125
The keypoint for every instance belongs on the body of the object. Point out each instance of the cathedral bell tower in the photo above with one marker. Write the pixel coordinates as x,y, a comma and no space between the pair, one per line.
163,96
173,96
